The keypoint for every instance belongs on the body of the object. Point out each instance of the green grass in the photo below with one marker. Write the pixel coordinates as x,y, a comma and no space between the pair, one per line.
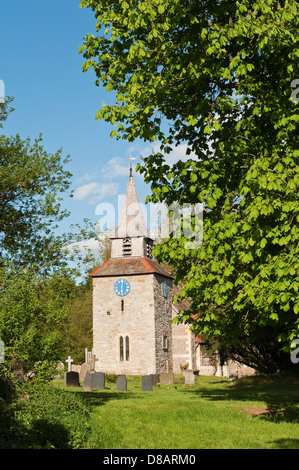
253,413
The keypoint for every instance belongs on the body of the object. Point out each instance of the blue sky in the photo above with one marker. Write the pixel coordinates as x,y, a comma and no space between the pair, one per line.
42,68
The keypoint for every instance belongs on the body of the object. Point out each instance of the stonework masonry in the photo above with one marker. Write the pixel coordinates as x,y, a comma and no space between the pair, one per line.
141,320
163,330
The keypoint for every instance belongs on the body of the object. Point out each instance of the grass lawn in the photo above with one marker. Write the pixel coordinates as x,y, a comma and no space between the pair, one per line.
252,413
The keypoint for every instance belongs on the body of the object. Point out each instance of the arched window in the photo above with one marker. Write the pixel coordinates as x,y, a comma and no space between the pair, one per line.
121,348
127,348
124,348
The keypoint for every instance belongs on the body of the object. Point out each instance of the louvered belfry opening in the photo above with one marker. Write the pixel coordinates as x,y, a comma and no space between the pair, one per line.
127,247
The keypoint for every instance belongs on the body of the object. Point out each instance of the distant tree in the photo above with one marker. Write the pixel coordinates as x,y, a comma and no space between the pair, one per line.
37,286
220,77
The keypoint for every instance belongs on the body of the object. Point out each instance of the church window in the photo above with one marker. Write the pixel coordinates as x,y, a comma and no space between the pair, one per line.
164,342
121,348
127,247
124,348
122,305
127,348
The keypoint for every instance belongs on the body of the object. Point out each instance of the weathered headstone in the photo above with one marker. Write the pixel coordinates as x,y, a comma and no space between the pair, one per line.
71,379
87,382
189,377
83,369
167,378
98,381
122,383
147,383
156,378
76,368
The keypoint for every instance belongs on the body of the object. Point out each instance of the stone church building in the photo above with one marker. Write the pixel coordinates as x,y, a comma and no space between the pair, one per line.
133,307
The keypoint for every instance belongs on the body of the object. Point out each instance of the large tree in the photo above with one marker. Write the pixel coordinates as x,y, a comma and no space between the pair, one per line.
220,77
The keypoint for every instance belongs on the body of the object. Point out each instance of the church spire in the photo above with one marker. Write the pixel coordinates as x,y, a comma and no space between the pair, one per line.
131,222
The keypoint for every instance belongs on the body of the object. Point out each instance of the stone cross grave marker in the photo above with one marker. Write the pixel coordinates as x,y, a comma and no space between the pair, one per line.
93,362
69,363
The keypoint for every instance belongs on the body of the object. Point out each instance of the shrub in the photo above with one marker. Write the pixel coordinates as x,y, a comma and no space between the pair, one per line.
48,417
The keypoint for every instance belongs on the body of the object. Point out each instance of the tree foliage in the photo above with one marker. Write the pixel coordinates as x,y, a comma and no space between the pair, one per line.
37,284
218,76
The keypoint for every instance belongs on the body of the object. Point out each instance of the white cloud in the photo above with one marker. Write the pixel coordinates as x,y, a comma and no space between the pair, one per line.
116,167
95,191
178,153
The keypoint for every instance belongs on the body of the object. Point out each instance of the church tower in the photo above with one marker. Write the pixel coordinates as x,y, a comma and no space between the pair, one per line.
132,300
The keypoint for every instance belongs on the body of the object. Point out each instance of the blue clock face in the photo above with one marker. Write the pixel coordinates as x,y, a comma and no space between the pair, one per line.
122,287
164,289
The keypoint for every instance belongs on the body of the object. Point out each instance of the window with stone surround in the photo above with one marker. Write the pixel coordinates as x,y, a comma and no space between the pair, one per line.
124,348
121,348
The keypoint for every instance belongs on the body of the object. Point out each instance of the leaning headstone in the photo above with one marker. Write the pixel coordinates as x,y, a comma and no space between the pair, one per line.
189,377
167,378
156,378
147,383
98,381
71,379
122,383
83,369
76,368
87,382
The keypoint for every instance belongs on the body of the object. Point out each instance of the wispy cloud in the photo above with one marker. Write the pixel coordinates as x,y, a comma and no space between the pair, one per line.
116,167
95,191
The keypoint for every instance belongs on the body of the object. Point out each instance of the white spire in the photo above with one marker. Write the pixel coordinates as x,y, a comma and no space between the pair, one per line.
131,222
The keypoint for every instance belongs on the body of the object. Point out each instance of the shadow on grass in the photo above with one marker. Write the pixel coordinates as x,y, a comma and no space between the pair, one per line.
100,398
281,402
286,443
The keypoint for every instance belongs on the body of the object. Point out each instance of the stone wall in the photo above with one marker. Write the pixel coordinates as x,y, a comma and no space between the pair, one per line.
184,348
137,321
163,317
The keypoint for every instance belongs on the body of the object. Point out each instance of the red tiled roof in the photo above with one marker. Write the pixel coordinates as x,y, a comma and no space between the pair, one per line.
129,266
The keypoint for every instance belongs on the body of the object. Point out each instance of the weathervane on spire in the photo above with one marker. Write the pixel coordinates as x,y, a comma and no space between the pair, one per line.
131,158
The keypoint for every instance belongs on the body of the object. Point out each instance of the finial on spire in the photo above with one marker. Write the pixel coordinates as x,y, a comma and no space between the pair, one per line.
131,170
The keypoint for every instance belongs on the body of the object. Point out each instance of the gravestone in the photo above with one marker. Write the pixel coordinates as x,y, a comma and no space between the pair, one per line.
83,369
167,378
87,382
98,381
156,378
71,379
189,377
69,363
147,383
122,383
